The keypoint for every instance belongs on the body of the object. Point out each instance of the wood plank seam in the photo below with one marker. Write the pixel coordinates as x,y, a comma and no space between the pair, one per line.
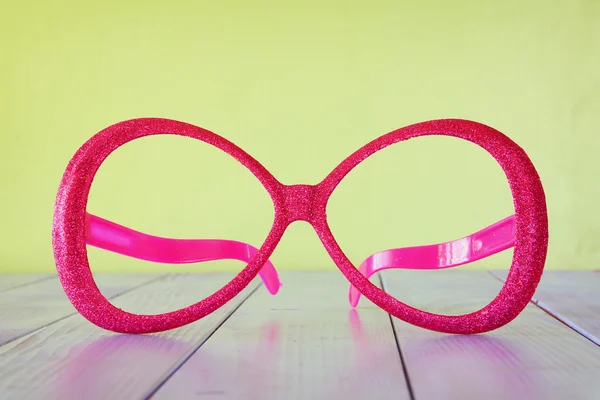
44,278
571,325
402,360
162,381
296,347
75,359
74,313
558,317
533,357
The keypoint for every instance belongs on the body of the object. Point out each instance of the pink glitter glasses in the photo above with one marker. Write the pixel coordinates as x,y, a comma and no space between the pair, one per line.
74,228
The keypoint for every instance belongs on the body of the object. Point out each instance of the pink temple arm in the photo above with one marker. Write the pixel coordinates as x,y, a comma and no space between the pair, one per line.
491,240
119,239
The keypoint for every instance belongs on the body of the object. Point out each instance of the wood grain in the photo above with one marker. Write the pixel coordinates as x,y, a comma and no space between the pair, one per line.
571,296
533,357
73,359
305,343
10,281
29,307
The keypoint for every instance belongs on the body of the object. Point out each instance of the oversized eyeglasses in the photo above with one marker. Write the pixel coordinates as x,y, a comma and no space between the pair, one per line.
74,228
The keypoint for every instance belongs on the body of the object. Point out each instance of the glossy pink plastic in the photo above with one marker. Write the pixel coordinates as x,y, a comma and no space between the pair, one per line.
119,239
486,242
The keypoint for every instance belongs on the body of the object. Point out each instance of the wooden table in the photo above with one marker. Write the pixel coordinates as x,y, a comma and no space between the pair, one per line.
304,343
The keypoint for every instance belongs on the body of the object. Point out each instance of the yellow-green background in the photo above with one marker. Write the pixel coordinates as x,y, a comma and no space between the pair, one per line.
300,85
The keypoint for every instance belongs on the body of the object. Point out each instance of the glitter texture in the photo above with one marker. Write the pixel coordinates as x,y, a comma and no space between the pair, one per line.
300,203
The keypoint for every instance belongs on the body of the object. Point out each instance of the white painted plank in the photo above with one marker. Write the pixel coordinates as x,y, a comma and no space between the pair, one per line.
571,296
10,281
534,357
305,343
29,307
74,359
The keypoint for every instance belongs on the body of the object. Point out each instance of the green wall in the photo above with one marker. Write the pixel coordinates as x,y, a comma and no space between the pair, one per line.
300,87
